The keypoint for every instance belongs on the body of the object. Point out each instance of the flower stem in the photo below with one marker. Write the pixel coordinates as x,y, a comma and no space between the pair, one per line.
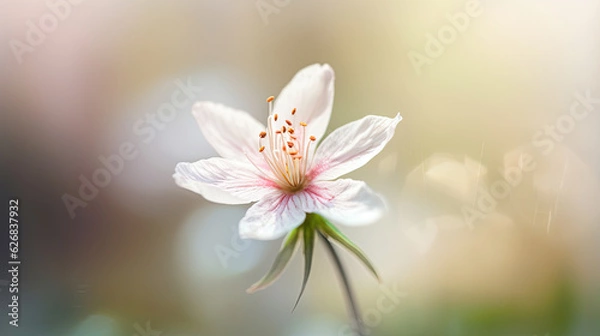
358,325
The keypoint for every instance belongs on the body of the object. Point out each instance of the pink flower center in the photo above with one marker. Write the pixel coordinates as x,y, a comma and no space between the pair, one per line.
286,150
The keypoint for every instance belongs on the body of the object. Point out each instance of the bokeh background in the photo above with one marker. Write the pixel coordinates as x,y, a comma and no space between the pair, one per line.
459,253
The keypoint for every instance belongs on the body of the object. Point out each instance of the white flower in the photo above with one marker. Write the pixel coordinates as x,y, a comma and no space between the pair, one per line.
280,167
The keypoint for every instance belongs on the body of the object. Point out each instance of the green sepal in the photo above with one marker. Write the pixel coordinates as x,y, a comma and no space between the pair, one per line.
283,257
308,232
326,228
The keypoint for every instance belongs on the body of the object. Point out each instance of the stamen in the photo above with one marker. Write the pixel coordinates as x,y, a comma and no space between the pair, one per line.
270,101
288,156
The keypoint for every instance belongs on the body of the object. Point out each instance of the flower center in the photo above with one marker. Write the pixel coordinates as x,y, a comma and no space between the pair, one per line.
286,149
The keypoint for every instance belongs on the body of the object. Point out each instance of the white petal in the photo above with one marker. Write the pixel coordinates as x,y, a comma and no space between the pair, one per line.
275,215
223,180
311,93
354,203
352,146
231,132
209,192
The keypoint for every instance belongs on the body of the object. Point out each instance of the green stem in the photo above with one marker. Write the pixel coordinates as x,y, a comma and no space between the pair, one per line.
355,314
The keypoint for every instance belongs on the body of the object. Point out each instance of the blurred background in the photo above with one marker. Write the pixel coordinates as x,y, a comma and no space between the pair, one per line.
492,178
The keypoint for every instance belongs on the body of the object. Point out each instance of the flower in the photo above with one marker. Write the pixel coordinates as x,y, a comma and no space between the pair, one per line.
280,167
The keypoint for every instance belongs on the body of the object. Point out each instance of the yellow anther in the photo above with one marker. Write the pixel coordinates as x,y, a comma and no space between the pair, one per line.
302,123
262,148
